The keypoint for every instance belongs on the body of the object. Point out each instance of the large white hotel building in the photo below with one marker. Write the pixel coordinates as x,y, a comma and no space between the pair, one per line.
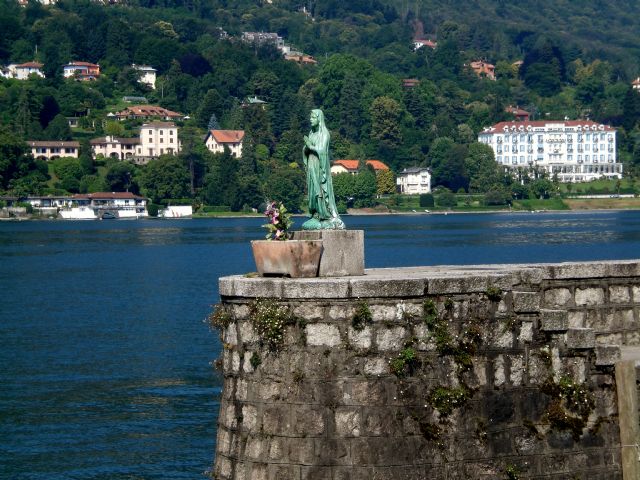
575,150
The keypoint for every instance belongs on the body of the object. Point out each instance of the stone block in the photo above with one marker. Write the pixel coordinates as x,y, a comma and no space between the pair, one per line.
341,312
364,287
347,422
526,332
568,270
320,288
383,313
308,311
499,376
589,296
376,366
280,472
342,251
526,302
636,294
557,297
322,335
259,472
576,319
619,294
308,421
516,370
254,448
249,418
580,338
607,355
554,320
390,338
360,338
315,473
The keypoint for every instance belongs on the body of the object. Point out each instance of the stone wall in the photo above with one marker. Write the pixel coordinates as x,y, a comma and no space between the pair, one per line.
437,372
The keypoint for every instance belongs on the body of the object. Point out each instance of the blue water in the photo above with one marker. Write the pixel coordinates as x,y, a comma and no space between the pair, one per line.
105,359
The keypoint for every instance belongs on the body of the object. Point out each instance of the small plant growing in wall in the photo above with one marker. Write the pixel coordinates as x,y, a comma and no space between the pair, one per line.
405,363
362,316
513,473
570,406
494,294
255,360
446,400
269,320
220,318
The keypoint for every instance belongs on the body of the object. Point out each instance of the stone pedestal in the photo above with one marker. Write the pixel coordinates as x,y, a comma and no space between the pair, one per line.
343,251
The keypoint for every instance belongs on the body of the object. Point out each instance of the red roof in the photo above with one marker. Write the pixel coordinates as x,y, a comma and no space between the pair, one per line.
81,64
148,111
108,196
30,65
227,136
499,127
353,164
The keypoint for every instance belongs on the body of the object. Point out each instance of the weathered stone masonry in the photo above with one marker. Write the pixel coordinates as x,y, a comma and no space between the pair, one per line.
458,373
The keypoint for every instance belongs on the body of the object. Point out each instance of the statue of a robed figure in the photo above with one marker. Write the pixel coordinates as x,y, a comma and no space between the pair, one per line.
317,162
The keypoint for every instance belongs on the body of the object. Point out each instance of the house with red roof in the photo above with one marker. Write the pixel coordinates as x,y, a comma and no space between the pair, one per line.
81,71
484,69
519,114
424,42
216,140
351,166
22,71
148,112
52,149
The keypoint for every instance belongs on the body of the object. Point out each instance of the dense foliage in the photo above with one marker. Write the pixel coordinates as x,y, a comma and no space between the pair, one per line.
578,61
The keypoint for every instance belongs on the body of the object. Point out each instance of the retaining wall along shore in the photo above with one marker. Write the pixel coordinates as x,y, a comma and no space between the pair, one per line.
479,372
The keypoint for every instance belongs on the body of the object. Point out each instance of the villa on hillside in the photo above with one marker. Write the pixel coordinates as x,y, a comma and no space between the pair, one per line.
574,150
414,181
83,71
147,75
52,149
484,69
148,112
155,139
351,166
22,71
636,84
424,42
519,114
216,140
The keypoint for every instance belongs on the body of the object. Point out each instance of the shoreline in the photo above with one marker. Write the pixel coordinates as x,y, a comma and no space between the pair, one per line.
349,214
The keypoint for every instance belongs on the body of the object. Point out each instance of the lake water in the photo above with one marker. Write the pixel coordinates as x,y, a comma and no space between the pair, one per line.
104,356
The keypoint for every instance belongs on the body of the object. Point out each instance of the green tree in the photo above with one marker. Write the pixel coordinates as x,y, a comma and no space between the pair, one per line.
385,121
120,177
69,172
286,185
58,129
165,177
385,183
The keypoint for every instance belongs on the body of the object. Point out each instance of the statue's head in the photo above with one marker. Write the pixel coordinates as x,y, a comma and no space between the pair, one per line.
317,118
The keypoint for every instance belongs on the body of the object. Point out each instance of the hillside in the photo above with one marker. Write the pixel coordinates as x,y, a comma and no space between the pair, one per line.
578,61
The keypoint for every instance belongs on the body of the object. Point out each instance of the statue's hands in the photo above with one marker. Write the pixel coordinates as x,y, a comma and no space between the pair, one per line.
307,142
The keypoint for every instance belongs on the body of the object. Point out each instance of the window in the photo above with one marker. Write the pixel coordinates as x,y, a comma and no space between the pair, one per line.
150,132
161,140
569,138
161,132
499,159
522,137
540,139
587,147
522,148
570,158
586,158
170,132
588,137
171,140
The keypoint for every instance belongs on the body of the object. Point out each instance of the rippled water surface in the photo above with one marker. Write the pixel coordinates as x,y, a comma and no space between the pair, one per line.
104,356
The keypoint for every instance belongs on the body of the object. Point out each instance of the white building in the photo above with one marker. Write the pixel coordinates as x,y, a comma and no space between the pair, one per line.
157,138
22,71
574,150
114,147
52,149
216,140
147,75
414,181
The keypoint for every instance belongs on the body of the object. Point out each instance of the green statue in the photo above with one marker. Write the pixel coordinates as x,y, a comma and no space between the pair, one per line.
316,159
